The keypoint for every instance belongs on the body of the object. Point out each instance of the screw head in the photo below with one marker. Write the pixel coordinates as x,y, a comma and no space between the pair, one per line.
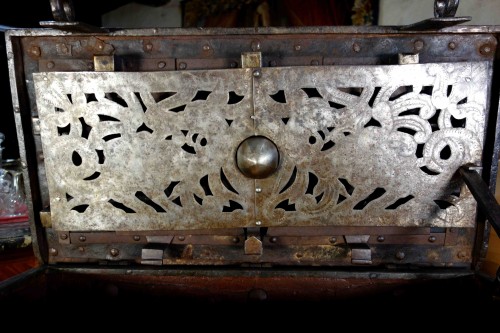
35,50
82,238
432,239
258,222
161,64
256,73
333,240
182,65
181,238
63,236
400,255
235,240
114,252
380,239
137,238
418,45
273,239
485,49
53,251
356,47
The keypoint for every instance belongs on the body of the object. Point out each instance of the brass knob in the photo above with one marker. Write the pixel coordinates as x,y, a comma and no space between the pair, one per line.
257,157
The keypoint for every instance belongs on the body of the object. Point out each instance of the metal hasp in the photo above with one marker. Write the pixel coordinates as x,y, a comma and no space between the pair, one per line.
485,199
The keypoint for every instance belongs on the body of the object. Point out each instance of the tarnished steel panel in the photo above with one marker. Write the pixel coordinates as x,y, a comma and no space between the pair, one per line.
146,151
371,145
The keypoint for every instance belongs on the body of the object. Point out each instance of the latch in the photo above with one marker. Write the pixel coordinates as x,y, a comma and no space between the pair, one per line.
361,254
253,241
152,255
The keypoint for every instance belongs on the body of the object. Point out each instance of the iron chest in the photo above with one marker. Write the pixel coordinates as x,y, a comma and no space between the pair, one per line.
266,163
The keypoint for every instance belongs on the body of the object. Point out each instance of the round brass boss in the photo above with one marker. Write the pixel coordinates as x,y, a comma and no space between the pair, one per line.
257,157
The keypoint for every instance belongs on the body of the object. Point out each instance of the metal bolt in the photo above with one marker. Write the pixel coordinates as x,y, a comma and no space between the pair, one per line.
50,64
314,62
256,73
64,236
82,238
206,47
258,190
400,255
380,239
333,240
114,252
137,238
35,50
432,239
161,64
235,240
258,222
452,45
81,249
24,165
181,238
182,65
149,47
297,47
418,45
485,49
255,45
272,63
273,239
233,64
53,252
356,48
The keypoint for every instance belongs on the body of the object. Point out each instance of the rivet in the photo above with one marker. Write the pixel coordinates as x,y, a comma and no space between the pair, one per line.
64,236
418,45
485,49
258,222
35,50
161,64
314,62
233,64
356,48
255,45
114,252
82,238
137,238
149,47
297,47
380,239
24,165
16,109
258,190
256,73
333,240
272,63
206,47
432,239
81,249
400,255
273,239
57,199
181,238
41,157
452,45
253,117
235,240
50,64
100,46
53,252
182,65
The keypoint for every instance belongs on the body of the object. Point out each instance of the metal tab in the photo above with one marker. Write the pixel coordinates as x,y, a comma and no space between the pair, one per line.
251,60
361,254
253,245
104,63
406,58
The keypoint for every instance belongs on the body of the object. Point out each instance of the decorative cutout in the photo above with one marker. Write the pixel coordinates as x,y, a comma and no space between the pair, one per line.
373,196
234,98
111,137
286,206
170,188
121,206
76,158
144,198
85,128
233,205
100,156
279,97
226,182
201,95
160,96
114,97
141,102
144,128
205,185
290,182
179,108
90,98
64,130
312,92
348,187
399,202
104,117
80,208
95,175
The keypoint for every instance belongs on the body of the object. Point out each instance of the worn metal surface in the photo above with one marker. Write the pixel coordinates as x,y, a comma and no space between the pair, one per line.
412,126
371,145
136,151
